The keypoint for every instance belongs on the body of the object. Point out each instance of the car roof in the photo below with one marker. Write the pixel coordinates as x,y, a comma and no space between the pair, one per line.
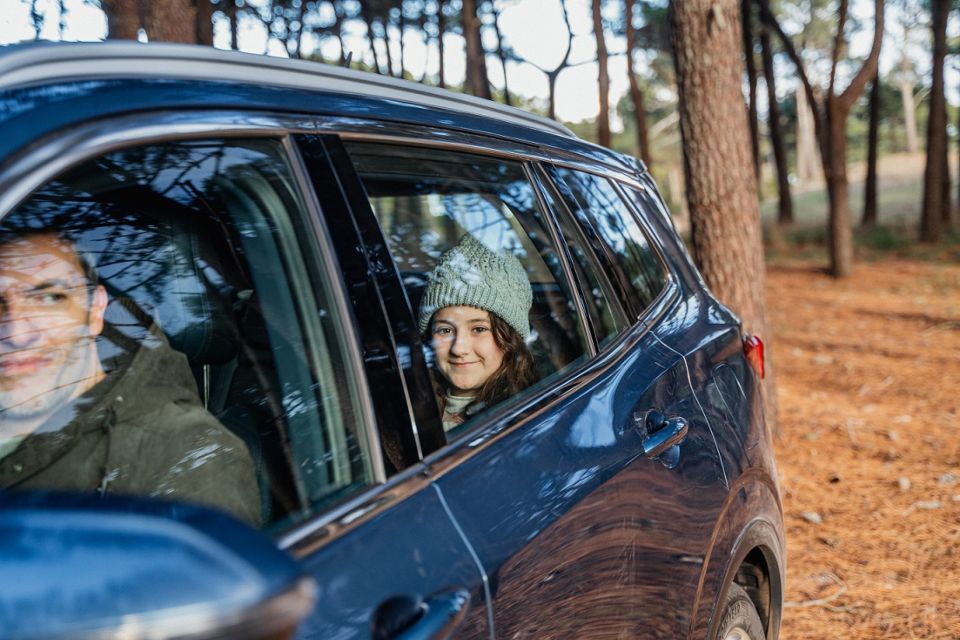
44,63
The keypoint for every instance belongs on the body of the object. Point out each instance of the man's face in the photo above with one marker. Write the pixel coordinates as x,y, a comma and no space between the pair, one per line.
49,318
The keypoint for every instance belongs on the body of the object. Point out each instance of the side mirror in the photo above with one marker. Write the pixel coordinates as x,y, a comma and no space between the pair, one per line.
87,567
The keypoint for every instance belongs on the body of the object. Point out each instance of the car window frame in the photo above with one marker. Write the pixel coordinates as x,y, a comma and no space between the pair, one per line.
636,313
406,316
74,145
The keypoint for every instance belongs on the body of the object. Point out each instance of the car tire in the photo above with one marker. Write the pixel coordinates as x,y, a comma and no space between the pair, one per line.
740,620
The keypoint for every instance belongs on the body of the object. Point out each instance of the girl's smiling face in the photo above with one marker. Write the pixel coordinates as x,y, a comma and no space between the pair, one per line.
466,350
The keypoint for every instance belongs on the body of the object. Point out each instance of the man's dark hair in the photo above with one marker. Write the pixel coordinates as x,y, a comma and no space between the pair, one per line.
10,233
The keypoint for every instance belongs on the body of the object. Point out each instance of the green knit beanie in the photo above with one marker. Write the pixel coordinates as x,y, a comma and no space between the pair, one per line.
472,275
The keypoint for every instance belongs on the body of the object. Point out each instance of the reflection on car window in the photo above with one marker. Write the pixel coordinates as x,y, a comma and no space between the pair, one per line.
160,337
606,315
601,210
467,232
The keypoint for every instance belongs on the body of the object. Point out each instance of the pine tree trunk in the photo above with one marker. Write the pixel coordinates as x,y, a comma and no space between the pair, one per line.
441,31
870,184
123,18
230,8
808,165
204,22
171,21
931,220
909,116
839,231
603,78
476,81
785,202
720,178
753,117
636,93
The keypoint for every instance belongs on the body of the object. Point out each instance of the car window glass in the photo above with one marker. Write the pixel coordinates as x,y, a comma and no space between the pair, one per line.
164,333
606,314
598,207
434,203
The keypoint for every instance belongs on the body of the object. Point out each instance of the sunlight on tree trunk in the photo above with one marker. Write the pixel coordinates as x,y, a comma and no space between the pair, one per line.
123,18
830,117
171,21
721,183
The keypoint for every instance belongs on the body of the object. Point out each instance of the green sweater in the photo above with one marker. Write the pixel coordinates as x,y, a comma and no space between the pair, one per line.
141,431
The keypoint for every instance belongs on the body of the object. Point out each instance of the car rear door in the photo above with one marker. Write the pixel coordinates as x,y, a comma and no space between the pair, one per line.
579,534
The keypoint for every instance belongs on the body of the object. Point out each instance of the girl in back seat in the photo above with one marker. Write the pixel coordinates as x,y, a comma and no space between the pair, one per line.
475,314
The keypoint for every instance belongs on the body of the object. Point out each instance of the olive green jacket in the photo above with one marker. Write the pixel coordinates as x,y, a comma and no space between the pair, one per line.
141,431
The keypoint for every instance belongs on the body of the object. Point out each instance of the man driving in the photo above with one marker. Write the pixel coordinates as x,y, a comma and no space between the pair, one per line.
67,424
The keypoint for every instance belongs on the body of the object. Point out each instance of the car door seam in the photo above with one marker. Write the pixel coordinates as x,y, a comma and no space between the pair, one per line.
473,554
686,368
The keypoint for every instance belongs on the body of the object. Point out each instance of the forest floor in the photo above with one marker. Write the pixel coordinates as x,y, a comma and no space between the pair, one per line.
869,446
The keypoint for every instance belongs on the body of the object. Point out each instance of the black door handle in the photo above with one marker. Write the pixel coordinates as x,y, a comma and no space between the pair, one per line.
413,618
662,434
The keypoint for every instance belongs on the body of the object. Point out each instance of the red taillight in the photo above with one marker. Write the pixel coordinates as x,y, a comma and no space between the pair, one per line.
753,350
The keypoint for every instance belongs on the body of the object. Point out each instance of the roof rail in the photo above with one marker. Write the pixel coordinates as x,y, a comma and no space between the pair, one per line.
41,63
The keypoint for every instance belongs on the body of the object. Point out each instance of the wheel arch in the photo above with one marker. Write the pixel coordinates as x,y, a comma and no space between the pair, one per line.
748,549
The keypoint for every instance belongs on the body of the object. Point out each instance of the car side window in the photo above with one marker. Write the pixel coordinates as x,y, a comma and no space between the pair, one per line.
637,271
165,333
467,231
606,314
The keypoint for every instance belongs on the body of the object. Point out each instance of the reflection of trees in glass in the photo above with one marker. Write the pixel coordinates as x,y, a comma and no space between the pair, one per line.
604,210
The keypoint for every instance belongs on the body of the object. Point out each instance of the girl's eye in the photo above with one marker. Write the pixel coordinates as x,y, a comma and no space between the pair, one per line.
481,329
442,331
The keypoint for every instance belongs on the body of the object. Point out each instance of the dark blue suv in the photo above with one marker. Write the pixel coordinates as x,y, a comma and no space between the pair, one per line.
216,273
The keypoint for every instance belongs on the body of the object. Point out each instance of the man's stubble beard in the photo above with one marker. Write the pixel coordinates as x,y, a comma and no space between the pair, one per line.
78,373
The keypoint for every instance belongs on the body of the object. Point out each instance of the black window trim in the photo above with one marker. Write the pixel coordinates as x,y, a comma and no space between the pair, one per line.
652,239
543,183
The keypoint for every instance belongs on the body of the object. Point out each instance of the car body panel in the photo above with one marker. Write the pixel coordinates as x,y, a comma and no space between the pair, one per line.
547,504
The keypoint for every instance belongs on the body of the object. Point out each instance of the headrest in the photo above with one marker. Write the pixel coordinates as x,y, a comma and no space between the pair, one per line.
160,257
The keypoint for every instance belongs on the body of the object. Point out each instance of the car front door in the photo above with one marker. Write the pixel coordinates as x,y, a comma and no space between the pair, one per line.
215,253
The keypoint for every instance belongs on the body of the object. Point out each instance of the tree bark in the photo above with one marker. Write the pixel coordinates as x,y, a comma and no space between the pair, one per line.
476,81
636,93
171,21
721,183
367,17
230,8
603,77
870,184
909,116
829,122
441,30
204,22
785,202
931,217
123,18
753,117
808,166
